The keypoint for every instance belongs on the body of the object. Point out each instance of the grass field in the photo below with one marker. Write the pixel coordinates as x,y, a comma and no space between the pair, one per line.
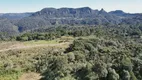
40,42
16,58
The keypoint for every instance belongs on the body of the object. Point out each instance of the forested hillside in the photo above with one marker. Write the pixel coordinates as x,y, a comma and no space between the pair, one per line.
75,53
15,15
48,17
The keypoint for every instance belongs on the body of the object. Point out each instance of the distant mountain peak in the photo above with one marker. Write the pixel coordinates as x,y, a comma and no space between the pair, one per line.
118,12
48,9
102,11
86,8
63,12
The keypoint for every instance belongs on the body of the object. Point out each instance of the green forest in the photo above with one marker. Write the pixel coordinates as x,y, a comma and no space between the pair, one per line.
110,52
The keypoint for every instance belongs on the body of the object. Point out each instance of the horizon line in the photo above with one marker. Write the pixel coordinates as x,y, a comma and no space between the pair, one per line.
68,7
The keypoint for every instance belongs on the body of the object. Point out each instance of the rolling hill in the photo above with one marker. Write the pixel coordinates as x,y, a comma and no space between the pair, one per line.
14,23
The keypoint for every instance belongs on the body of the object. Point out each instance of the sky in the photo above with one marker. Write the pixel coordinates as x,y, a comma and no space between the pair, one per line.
19,6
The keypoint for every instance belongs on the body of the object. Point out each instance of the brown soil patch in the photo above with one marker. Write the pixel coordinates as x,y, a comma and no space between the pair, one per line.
30,76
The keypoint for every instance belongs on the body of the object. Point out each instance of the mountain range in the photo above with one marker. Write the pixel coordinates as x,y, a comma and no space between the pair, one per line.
14,23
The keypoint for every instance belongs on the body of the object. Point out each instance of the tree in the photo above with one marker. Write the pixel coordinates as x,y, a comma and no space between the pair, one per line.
112,75
126,75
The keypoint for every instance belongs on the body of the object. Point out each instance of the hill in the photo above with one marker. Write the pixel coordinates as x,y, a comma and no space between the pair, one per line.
17,23
14,15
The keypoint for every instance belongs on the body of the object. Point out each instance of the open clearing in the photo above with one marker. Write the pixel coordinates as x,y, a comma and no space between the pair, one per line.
30,76
22,54
15,45
18,46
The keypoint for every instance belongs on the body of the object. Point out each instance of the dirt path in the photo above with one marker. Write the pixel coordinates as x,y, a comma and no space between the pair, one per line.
30,76
21,46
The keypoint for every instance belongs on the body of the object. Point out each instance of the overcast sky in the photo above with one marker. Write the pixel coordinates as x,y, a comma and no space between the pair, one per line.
18,6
